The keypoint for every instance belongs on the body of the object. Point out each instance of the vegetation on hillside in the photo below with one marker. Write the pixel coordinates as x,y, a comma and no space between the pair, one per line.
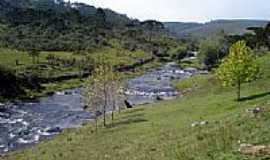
164,130
212,28
54,40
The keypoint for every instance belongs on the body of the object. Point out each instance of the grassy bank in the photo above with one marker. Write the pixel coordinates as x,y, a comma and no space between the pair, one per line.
54,65
163,131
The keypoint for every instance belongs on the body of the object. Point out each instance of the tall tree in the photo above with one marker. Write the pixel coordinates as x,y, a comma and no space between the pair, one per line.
240,66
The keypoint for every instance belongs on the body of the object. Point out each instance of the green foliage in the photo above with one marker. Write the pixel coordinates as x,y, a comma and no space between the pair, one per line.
50,26
258,38
179,52
212,28
240,66
211,51
163,130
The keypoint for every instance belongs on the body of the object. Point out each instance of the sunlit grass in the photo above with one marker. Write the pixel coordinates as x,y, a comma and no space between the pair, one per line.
163,130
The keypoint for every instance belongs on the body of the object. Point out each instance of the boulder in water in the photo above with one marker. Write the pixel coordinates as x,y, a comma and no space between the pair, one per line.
53,130
98,113
159,98
128,104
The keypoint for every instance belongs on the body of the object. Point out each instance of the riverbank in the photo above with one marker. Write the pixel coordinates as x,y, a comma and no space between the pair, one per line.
136,65
26,77
165,130
26,123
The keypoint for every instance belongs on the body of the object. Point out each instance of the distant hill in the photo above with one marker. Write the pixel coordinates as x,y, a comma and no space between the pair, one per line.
201,30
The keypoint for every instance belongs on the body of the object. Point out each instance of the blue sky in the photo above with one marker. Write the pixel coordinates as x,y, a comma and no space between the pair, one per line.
187,10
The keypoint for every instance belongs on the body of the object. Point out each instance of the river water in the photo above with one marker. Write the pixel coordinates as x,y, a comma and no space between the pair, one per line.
23,124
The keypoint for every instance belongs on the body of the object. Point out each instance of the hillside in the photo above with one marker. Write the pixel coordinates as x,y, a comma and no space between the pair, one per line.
202,30
56,25
48,41
163,131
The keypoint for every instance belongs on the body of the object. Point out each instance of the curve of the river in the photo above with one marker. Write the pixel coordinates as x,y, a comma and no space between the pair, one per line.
26,123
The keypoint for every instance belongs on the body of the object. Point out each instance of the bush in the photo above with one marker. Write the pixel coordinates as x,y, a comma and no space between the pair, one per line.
211,51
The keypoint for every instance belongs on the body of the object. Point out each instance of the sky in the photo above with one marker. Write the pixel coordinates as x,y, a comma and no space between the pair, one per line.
187,10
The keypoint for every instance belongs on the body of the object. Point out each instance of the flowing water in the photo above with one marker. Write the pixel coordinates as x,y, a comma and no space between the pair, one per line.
26,123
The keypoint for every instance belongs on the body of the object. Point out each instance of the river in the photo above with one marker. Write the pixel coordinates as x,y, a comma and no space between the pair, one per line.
23,124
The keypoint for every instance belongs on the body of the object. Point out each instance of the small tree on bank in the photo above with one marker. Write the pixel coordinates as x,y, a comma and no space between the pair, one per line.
102,91
239,67
34,54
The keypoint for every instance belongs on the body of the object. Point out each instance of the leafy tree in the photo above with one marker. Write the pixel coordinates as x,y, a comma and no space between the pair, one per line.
152,26
211,51
179,52
240,66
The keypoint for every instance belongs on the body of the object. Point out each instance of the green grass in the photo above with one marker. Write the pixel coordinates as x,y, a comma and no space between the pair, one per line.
163,130
116,56
191,63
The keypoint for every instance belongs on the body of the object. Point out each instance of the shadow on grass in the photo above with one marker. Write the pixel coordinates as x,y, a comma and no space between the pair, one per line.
127,122
133,116
128,119
254,96
134,110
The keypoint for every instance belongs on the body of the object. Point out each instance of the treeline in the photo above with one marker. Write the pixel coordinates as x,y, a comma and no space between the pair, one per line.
13,85
257,38
50,25
214,49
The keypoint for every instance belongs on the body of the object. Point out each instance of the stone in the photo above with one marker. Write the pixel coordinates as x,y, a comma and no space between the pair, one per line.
195,124
254,150
53,130
128,104
159,98
98,113
254,110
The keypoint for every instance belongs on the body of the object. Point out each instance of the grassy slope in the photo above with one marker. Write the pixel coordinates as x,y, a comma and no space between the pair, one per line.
116,56
163,131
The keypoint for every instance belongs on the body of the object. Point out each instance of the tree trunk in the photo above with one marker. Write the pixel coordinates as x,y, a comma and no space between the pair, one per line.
113,109
239,91
112,116
96,119
104,116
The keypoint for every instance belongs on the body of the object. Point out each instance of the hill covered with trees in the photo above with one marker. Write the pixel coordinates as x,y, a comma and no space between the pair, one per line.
54,40
56,25
203,30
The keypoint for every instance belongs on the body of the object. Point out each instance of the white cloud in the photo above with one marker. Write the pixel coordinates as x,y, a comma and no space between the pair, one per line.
187,10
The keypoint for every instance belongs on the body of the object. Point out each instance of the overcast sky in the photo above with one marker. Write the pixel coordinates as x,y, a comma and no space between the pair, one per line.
187,10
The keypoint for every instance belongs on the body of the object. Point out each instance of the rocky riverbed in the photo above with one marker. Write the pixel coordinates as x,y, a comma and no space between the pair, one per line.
26,123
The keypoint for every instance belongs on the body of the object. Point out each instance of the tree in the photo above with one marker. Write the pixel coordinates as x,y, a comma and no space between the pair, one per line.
101,18
115,92
179,52
211,51
102,91
152,26
34,54
240,66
